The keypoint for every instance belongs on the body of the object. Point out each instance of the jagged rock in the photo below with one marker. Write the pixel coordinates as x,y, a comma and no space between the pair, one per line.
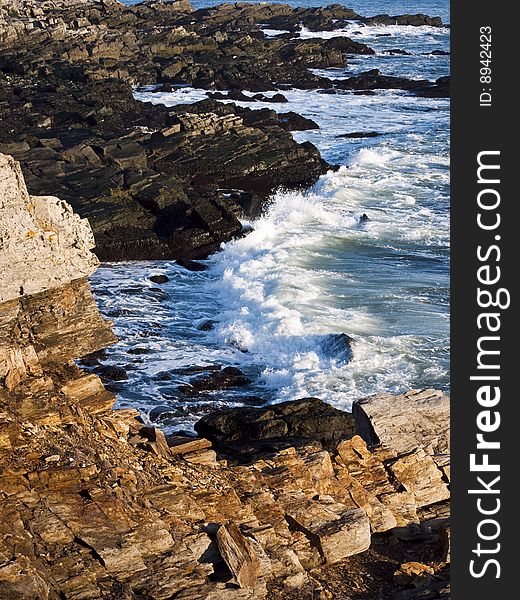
417,419
40,237
151,195
299,421
336,531
420,475
183,445
239,554
228,377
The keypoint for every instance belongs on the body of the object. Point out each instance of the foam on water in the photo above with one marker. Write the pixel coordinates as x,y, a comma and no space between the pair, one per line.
312,269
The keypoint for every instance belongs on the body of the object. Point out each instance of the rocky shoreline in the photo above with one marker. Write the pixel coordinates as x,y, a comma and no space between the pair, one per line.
158,183
97,505
292,500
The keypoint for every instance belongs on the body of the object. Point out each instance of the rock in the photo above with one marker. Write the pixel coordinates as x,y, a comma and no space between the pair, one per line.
396,51
159,278
337,346
336,531
152,195
112,373
417,419
20,579
152,440
163,413
228,377
239,555
201,457
40,236
191,265
184,445
413,574
417,20
374,80
419,475
207,325
300,421
360,134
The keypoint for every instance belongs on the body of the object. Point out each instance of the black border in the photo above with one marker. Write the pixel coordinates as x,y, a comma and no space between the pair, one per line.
475,129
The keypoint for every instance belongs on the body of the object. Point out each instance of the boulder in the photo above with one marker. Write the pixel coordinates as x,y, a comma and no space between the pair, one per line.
416,419
299,421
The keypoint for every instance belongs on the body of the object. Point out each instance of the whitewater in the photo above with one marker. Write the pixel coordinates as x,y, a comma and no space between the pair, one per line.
276,302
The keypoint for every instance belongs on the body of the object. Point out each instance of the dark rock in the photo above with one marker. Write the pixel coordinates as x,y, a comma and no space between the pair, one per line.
139,351
364,218
191,265
360,134
93,359
417,20
295,122
153,196
397,51
163,376
374,80
309,419
276,98
159,278
193,369
163,413
227,378
338,346
207,325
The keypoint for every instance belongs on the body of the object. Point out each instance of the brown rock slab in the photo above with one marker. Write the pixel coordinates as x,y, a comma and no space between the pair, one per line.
239,555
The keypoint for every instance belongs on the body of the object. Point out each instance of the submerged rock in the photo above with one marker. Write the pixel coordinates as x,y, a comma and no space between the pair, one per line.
337,346
191,265
228,377
360,134
159,278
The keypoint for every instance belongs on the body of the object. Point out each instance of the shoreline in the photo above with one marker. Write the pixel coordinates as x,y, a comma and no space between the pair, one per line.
289,500
97,505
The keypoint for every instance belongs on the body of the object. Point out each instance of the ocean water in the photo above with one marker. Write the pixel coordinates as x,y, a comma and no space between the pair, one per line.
312,269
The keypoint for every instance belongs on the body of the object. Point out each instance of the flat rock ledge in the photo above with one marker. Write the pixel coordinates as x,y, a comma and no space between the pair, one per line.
95,505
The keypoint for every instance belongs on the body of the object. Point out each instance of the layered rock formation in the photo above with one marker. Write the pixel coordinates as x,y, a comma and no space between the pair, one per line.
222,47
158,183
43,244
154,182
95,505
